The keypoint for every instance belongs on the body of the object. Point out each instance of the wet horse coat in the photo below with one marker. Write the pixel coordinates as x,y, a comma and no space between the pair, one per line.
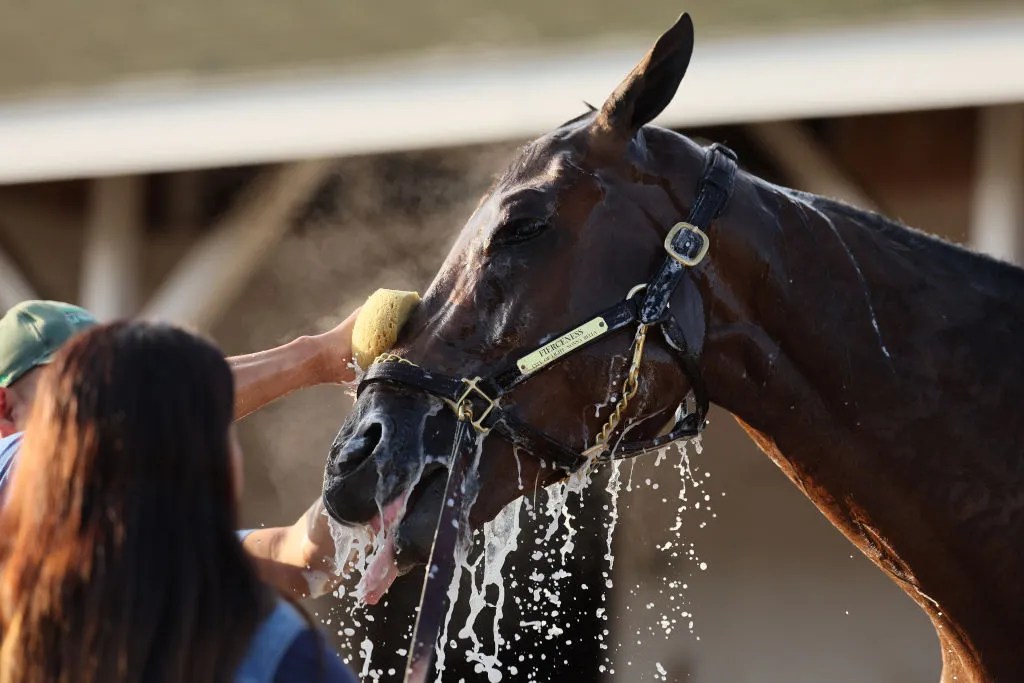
880,368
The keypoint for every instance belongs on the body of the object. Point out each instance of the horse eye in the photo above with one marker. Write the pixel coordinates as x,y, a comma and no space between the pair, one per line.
520,230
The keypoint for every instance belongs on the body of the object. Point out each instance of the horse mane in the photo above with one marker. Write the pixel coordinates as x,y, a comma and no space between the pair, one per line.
590,110
949,256
995,275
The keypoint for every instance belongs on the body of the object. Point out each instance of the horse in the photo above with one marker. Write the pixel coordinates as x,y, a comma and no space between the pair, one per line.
878,367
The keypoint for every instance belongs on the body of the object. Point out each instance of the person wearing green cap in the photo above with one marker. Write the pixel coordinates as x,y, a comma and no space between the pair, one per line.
30,333
296,559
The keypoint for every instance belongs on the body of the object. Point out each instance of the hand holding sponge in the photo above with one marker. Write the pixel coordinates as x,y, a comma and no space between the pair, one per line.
379,322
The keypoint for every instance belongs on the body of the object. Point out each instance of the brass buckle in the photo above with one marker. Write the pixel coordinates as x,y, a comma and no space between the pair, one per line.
682,258
464,408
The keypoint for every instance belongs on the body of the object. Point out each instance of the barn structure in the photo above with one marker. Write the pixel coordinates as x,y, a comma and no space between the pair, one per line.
254,169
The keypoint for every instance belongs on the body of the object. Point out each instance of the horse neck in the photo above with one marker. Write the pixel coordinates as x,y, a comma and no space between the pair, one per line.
811,296
879,368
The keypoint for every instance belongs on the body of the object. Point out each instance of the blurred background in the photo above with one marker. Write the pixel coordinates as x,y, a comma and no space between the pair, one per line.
256,168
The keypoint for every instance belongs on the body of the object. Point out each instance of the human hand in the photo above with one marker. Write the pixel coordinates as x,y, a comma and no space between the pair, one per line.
334,349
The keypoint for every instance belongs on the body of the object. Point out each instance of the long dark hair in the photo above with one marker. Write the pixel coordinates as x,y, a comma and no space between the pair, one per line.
120,560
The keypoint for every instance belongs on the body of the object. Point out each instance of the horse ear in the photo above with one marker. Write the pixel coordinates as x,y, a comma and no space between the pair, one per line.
651,85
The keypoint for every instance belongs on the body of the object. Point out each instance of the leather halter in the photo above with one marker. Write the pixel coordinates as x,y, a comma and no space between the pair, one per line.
477,401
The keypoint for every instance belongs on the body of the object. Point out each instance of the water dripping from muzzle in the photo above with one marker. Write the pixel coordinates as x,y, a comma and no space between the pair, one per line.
448,551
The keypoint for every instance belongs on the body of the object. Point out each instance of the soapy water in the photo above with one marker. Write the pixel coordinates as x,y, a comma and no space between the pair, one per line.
503,607
485,578
501,537
486,575
661,611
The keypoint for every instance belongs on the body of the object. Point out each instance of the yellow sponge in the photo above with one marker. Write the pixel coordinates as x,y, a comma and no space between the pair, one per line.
379,322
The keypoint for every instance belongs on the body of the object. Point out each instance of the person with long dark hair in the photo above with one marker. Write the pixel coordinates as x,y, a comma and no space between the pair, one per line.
298,559
119,561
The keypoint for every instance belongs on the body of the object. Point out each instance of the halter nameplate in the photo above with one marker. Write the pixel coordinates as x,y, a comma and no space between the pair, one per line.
567,343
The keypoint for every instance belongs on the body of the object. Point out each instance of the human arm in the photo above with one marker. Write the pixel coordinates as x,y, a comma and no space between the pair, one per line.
298,560
265,376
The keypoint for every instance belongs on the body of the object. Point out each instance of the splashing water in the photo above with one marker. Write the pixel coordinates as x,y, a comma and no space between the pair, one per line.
352,547
472,488
558,511
612,396
488,573
366,650
368,552
461,562
519,466
352,388
657,611
501,537
613,488
489,577
394,486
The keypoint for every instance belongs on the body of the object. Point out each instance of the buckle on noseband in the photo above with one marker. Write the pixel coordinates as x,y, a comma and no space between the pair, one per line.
463,405
694,245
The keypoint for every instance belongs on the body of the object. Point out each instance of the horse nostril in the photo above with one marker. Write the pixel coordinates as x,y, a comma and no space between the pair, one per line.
349,454
372,436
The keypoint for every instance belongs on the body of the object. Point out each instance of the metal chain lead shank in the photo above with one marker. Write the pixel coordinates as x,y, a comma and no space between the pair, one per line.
630,386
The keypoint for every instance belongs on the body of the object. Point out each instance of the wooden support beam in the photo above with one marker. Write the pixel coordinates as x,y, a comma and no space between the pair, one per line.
997,215
209,278
14,286
20,210
18,213
807,163
169,124
112,251
184,198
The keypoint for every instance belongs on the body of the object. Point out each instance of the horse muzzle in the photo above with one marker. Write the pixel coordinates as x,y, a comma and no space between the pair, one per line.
387,468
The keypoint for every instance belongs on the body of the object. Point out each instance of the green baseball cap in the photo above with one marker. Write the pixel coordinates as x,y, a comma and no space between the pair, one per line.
33,331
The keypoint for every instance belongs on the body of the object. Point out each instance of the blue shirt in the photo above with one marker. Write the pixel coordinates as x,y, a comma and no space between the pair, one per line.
285,649
9,446
311,660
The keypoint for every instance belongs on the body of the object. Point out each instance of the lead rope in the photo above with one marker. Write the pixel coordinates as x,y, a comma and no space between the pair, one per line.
448,533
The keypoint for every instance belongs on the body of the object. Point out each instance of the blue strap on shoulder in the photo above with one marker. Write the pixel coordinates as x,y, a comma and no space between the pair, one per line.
270,643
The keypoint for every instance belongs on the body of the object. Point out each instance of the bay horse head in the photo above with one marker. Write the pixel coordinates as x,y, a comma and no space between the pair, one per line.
877,366
576,221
